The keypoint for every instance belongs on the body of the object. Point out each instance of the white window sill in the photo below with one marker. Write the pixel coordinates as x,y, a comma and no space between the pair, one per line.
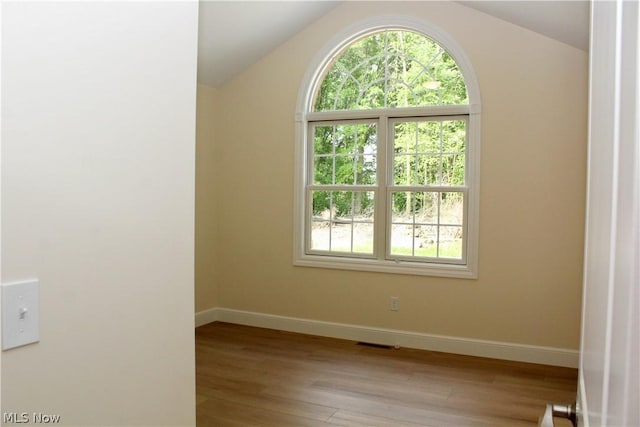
387,266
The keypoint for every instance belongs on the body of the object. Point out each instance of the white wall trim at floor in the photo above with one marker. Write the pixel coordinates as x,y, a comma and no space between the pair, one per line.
207,316
472,347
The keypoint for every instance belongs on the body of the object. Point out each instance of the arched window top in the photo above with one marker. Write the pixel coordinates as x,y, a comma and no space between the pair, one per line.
391,68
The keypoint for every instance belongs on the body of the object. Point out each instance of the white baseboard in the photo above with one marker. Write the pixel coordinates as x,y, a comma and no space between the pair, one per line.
472,347
207,316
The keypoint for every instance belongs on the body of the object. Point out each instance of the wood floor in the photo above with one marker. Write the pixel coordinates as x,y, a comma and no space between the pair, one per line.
260,377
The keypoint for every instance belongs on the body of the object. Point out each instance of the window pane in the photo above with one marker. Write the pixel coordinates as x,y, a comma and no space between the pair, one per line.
401,208
341,239
451,208
343,221
429,152
342,205
323,170
428,170
402,240
321,205
428,138
427,224
404,172
366,166
405,137
453,169
425,208
450,242
363,206
409,207
454,135
363,238
320,235
344,139
366,151
345,172
426,241
323,140
345,154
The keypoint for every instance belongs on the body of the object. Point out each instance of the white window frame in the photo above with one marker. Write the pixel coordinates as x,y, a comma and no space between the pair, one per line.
338,187
468,269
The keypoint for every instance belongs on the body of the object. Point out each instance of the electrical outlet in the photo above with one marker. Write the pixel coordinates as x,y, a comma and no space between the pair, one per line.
394,304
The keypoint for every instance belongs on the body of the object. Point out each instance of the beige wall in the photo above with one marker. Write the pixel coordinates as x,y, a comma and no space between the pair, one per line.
534,99
206,289
98,113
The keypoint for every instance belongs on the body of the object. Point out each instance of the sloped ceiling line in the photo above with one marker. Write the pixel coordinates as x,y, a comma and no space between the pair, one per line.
235,34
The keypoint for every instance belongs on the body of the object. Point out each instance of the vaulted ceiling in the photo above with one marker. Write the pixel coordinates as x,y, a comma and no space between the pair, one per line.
235,34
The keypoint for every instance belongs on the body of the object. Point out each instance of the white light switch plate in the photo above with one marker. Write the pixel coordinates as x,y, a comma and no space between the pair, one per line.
20,314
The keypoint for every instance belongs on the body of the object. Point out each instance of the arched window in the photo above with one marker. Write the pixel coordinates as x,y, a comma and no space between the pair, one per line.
391,69
388,142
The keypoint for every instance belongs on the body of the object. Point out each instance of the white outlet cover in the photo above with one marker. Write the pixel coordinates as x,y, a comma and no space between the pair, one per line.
20,314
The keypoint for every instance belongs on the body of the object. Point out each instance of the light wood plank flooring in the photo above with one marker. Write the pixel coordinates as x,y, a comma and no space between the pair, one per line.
249,376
